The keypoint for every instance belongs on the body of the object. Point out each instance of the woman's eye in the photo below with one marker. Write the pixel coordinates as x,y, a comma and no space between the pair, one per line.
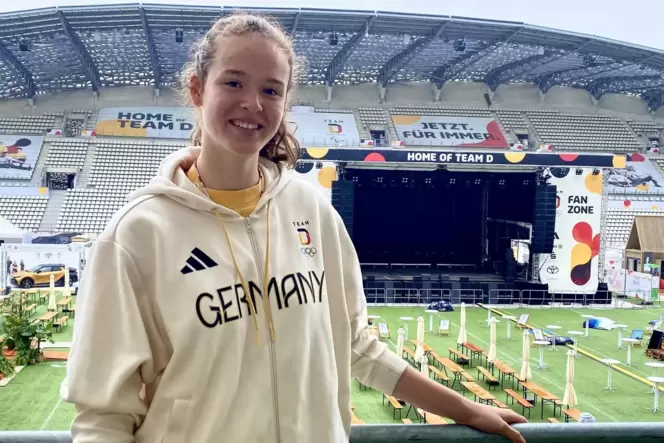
270,91
233,84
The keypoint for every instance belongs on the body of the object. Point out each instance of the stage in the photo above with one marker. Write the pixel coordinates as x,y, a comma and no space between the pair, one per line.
462,236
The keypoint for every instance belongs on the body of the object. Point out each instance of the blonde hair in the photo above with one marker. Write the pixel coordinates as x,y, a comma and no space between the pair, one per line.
283,147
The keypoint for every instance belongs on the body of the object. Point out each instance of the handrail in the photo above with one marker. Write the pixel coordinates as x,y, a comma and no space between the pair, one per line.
397,433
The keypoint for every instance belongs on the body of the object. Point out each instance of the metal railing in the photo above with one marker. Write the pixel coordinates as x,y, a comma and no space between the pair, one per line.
533,433
509,297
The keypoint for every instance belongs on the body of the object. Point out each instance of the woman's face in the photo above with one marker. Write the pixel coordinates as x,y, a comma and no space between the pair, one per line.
244,96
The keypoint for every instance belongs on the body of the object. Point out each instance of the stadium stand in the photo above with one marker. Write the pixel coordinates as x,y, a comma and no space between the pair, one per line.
67,153
582,132
31,125
25,212
619,222
108,168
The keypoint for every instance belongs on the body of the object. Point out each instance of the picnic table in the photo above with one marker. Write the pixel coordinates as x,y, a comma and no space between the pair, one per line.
427,349
48,316
544,395
481,394
65,302
505,371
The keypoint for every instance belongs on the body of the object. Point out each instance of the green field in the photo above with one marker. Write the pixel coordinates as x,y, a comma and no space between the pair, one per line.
630,402
31,401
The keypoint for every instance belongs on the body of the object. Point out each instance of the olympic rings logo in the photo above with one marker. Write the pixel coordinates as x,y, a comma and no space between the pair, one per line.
309,251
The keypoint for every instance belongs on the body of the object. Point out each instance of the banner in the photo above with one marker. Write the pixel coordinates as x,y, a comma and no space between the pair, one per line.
18,155
639,175
153,122
324,129
436,130
400,155
633,284
573,264
25,257
319,174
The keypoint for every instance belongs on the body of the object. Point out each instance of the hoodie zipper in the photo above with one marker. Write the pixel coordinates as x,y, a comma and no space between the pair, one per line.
273,362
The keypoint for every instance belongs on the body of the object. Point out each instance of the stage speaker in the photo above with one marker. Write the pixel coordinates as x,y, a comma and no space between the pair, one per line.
343,200
544,225
656,339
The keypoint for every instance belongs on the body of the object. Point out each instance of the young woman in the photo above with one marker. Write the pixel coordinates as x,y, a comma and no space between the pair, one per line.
224,303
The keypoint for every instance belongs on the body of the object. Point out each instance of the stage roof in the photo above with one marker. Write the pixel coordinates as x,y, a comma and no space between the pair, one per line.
93,47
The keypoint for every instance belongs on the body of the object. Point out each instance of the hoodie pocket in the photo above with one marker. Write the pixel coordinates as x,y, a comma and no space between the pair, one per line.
178,422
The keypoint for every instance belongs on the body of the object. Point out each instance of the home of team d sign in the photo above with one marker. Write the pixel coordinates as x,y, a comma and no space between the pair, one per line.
449,157
578,204
147,120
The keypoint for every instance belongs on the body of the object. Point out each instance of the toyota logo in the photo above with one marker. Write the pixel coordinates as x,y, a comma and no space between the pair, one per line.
552,269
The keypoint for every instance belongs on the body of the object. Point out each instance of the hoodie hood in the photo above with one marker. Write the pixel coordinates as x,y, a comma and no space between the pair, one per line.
172,182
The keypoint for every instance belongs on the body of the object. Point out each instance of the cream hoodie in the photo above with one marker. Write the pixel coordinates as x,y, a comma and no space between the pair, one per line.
166,348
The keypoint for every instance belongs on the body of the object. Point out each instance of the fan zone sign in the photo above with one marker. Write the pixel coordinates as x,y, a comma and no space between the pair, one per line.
573,266
436,130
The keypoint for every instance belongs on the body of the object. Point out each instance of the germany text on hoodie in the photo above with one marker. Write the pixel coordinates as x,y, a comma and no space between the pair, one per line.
197,325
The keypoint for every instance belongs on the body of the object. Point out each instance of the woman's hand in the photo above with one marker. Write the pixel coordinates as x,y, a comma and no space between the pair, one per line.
495,421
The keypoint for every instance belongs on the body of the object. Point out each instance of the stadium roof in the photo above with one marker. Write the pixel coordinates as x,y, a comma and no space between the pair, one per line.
93,47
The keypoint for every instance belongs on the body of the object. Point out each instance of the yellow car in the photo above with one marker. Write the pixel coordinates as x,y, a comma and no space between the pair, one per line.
40,275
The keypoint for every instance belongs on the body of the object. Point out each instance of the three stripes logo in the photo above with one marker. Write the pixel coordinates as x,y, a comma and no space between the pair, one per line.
198,261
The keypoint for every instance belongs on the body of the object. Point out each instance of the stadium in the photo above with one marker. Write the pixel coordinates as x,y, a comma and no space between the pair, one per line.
502,183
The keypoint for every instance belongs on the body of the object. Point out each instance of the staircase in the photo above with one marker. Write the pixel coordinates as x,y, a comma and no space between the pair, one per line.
532,131
38,172
83,178
640,139
49,221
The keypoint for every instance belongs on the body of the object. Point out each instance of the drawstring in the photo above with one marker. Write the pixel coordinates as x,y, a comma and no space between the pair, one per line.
266,271
243,281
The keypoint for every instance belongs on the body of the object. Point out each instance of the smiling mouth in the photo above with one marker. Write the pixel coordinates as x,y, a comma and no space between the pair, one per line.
246,125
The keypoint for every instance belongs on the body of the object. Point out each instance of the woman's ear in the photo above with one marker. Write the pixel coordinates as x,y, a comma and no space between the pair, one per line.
196,90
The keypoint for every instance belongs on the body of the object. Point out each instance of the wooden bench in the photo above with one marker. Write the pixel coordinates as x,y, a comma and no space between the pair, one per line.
429,418
467,376
483,373
60,322
31,309
475,351
553,420
409,353
462,358
71,311
574,414
395,404
525,404
433,419
500,404
438,375
406,421
354,420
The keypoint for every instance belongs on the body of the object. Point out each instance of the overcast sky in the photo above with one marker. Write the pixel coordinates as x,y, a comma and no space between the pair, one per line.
634,21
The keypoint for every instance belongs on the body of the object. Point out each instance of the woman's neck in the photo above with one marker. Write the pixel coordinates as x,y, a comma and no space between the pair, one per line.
230,173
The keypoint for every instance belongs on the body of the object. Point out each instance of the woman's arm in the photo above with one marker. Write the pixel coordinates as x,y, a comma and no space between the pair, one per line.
109,351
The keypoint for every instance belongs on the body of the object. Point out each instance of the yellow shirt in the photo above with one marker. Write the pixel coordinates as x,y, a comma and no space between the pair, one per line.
243,201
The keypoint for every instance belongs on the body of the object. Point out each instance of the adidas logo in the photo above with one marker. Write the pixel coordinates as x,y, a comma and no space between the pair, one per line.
198,261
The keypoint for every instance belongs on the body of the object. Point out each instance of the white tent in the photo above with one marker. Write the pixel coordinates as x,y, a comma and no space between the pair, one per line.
526,373
462,326
10,233
569,398
419,343
400,339
491,357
